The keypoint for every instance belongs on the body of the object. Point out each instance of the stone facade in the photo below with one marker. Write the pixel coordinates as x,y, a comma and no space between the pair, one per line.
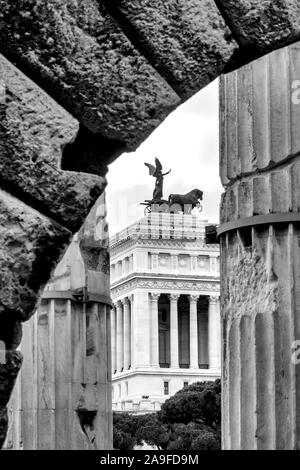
166,316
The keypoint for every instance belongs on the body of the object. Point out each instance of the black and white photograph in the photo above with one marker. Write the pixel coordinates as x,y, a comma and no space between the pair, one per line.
149,229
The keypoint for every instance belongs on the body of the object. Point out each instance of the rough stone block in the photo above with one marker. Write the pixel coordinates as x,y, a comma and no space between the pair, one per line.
263,24
76,51
30,246
33,132
186,40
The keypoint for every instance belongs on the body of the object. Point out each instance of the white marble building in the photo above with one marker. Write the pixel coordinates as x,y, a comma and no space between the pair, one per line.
166,316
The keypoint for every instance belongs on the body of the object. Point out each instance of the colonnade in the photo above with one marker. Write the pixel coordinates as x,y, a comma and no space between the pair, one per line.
135,332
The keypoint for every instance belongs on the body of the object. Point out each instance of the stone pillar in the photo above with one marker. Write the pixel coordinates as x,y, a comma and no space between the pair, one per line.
154,331
120,351
194,363
260,169
214,333
113,341
126,335
62,400
132,324
142,328
174,331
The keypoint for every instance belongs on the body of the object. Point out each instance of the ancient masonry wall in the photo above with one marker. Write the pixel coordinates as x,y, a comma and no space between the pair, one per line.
260,169
80,82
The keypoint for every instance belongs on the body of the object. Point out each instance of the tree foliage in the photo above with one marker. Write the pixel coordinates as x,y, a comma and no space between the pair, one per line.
199,401
125,431
193,436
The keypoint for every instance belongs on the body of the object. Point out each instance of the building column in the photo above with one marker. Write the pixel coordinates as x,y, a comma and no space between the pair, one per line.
154,330
174,331
113,340
260,264
126,334
119,322
142,328
194,363
132,323
214,333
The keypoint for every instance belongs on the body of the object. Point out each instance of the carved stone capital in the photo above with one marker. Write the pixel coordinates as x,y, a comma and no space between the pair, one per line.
119,304
194,298
213,300
131,298
154,296
174,297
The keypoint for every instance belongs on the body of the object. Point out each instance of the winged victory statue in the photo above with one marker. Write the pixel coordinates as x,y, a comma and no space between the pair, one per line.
157,172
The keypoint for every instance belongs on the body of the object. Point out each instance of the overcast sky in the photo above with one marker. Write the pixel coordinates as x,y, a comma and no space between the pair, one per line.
188,143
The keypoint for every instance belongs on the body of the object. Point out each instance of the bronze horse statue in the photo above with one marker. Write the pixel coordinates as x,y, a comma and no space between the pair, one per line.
185,202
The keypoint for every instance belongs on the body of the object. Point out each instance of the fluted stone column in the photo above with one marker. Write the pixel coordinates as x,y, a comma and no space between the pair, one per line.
113,340
194,363
214,333
174,331
154,330
120,353
260,169
62,400
126,334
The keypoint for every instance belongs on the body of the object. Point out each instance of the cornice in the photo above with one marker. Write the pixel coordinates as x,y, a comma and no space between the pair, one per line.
165,276
116,378
163,243
167,285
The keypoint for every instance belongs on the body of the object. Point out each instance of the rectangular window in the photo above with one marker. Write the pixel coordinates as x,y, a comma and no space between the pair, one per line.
166,388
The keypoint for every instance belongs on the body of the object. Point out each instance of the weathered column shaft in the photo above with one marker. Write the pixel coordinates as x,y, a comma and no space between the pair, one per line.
260,168
62,399
214,333
174,331
194,362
